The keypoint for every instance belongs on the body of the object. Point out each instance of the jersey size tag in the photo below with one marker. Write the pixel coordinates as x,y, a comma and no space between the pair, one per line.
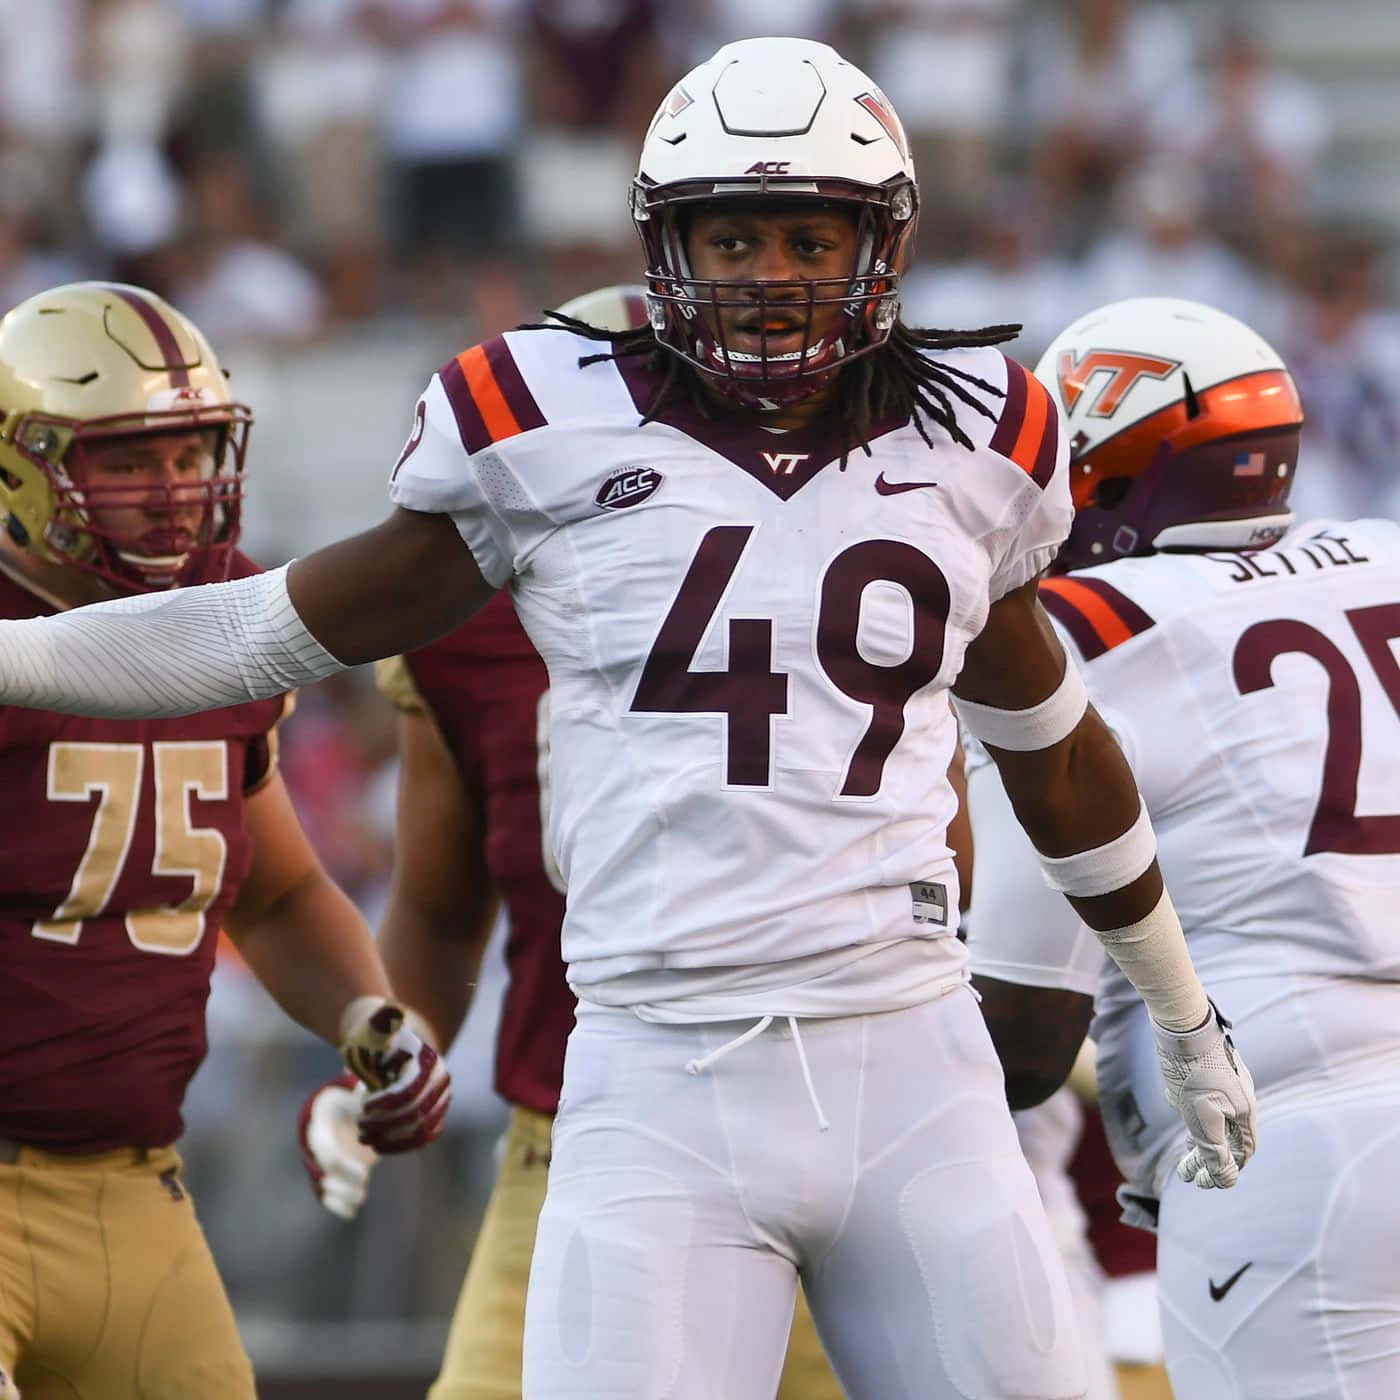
930,902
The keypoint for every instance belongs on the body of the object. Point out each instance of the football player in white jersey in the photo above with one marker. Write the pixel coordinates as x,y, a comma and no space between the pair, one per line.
756,545
1248,666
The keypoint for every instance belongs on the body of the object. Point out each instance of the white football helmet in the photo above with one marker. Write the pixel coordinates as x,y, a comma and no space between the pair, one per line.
781,119
1183,427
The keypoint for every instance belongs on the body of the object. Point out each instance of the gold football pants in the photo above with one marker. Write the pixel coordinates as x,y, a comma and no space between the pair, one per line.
107,1287
1142,1382
483,1357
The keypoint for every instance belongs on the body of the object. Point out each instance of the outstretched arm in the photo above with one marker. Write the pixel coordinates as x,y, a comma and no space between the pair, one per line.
1075,796
390,589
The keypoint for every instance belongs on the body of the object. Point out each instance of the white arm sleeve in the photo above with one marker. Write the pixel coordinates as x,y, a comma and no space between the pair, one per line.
162,654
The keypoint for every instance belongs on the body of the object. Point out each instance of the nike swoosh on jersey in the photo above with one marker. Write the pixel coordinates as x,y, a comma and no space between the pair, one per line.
893,488
1218,1291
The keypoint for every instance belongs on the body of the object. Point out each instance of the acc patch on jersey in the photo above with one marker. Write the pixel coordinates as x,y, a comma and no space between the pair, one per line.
628,487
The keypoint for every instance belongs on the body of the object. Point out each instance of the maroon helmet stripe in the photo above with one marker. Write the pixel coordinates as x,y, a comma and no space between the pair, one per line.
1013,413
165,340
471,427
636,307
512,385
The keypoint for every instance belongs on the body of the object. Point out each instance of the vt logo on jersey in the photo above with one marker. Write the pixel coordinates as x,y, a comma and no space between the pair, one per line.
1122,368
628,487
784,463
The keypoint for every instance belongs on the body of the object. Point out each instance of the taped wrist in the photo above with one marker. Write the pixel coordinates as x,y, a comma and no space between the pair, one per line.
164,654
1039,727
1104,868
1154,958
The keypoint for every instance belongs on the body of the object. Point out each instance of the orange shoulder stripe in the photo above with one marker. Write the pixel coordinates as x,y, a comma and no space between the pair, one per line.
488,395
1095,614
1028,430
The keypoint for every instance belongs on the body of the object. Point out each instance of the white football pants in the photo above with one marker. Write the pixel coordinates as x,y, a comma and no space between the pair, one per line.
682,1207
1288,1284
1049,1134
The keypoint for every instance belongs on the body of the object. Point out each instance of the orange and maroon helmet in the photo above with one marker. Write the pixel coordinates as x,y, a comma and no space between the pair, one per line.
1183,427
94,361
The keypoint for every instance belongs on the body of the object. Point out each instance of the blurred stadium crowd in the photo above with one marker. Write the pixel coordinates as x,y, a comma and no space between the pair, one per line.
286,169
343,192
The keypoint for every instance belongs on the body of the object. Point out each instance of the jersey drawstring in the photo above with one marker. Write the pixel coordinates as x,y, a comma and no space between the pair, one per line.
822,1123
703,1062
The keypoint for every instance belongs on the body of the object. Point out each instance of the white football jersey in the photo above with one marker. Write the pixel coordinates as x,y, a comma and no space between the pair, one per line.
749,653
1257,697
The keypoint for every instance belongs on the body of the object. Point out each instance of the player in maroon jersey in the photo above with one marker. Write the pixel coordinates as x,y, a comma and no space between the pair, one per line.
127,845
473,746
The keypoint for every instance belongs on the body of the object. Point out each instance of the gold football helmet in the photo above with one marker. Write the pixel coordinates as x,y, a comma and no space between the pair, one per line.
92,368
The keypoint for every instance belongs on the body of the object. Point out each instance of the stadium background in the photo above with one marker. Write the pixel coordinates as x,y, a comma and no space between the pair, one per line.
343,193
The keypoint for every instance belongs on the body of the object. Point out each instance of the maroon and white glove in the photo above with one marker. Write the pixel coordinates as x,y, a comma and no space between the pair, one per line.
336,1160
409,1087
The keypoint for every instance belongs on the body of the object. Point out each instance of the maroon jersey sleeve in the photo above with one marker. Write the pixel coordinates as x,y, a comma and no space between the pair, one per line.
1120,1249
483,685
122,846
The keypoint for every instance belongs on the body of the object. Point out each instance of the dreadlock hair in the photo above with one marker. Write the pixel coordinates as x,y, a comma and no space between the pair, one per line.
895,380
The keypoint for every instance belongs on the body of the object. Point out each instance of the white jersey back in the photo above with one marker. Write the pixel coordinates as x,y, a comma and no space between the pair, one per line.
749,652
1257,697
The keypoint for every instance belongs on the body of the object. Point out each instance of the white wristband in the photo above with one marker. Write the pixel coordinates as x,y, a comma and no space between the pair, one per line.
1104,868
1022,731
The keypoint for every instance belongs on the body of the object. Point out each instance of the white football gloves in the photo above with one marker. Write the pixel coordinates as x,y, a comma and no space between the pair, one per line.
336,1160
1210,1087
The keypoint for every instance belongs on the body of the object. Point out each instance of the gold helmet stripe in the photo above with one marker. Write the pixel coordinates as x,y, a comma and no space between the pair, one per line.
165,340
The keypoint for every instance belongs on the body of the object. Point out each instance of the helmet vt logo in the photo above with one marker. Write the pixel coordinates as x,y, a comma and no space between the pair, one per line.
677,102
628,487
878,105
1122,368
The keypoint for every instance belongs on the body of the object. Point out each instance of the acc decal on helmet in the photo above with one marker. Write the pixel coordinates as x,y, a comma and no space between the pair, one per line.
1183,427
779,119
91,362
